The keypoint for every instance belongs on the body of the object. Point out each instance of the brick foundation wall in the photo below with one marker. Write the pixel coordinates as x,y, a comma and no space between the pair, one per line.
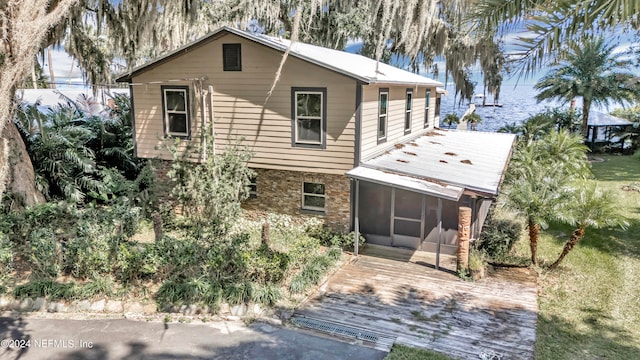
280,191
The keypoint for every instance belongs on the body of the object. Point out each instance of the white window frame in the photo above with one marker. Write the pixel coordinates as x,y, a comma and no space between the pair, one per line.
320,118
408,111
167,112
381,116
427,105
324,196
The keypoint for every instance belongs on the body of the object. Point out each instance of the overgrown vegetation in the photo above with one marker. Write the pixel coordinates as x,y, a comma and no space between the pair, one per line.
85,242
80,152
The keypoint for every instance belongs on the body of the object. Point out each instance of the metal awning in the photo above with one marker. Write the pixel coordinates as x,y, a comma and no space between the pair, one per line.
443,191
443,163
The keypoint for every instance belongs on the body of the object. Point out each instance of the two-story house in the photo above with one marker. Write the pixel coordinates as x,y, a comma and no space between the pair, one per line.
333,128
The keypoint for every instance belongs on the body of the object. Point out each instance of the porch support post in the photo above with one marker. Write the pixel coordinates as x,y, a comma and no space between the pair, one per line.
439,218
393,213
356,225
464,227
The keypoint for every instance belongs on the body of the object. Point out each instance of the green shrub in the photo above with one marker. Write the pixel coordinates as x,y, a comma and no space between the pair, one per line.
135,261
99,286
89,253
331,238
49,289
18,226
210,192
6,260
238,293
311,274
126,218
334,253
265,265
45,253
498,237
266,294
189,291
179,257
302,249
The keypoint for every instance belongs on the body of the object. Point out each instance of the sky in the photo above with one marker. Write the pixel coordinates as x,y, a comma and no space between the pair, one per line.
71,77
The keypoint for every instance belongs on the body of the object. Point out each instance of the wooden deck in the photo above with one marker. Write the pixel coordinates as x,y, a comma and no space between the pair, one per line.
432,309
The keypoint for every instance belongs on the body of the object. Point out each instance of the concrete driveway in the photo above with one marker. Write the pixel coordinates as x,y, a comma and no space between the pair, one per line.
128,339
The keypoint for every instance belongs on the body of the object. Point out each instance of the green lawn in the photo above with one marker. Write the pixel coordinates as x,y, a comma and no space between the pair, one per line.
590,306
401,352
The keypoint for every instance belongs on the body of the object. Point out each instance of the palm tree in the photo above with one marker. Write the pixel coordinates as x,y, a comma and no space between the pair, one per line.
553,23
538,176
473,119
451,119
592,71
590,208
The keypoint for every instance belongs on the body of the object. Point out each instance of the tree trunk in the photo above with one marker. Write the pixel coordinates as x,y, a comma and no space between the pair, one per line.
576,236
586,104
21,177
534,234
25,26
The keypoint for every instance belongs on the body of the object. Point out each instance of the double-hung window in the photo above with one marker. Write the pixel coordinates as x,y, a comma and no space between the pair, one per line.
175,101
427,104
407,111
313,196
383,112
309,120
253,187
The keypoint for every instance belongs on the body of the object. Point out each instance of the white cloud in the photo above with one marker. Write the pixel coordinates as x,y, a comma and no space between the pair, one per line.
66,75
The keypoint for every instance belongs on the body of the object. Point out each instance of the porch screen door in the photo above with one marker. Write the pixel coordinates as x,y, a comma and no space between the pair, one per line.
407,217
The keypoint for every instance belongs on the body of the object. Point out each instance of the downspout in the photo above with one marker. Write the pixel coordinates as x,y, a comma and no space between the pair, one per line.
213,143
204,122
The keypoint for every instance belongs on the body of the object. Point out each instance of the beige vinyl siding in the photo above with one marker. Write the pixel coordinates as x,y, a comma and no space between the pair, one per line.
241,107
396,117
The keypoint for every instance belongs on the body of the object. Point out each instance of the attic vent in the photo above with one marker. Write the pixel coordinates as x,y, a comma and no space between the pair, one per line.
444,161
450,153
399,146
466,162
435,142
413,143
410,153
402,161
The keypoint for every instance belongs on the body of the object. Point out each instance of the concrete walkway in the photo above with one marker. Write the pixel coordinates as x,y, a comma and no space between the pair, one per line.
128,339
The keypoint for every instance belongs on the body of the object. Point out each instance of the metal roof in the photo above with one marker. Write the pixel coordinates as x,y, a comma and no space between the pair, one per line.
471,160
448,192
353,65
602,119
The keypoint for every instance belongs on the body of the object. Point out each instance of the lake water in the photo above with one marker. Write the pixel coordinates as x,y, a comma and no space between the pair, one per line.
518,102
